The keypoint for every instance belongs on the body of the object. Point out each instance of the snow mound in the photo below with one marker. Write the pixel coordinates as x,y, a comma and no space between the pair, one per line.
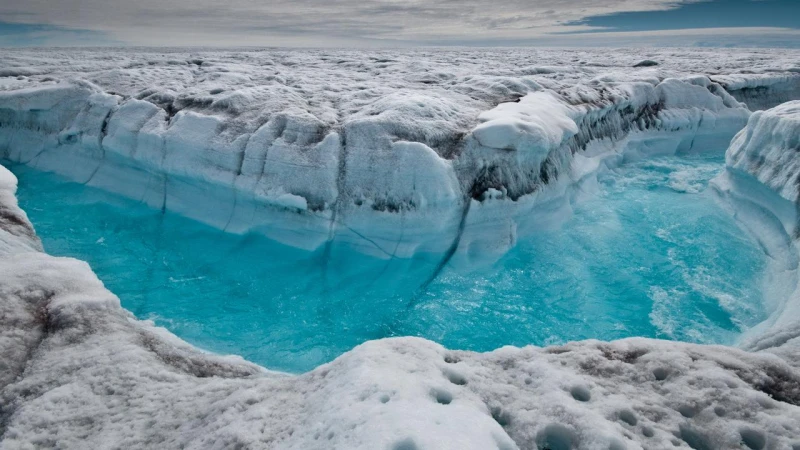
646,63
16,231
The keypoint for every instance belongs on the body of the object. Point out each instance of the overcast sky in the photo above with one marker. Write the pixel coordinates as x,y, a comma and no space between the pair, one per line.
325,23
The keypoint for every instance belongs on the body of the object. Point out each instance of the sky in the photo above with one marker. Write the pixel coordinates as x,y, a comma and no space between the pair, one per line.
400,23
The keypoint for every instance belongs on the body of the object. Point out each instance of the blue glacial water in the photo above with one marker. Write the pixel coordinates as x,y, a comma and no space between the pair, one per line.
651,254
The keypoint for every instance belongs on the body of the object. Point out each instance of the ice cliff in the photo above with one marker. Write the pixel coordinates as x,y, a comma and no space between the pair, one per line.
440,154
760,185
465,161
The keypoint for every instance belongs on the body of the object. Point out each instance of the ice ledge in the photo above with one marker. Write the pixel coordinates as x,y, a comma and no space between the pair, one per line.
407,172
78,371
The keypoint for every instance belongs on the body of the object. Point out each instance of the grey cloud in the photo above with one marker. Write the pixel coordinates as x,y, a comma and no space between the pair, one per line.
243,22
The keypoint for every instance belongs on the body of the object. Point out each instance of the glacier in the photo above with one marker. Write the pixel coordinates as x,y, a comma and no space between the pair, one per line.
233,139
395,154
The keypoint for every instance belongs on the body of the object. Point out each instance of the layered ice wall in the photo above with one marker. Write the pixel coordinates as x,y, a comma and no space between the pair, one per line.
761,91
440,154
761,185
767,149
78,371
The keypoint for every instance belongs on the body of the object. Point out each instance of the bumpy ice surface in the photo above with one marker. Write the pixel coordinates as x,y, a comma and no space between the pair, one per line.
304,146
455,156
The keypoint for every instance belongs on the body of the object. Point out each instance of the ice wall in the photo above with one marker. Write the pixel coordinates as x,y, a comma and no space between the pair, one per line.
459,169
78,371
760,184
767,149
762,91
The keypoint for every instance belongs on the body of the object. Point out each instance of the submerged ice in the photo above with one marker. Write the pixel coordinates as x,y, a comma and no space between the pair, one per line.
651,254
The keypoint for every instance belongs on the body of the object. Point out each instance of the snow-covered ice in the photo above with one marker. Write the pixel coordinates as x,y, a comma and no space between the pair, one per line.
305,147
469,148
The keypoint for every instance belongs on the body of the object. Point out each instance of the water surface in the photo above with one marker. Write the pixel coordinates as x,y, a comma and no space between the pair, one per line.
651,254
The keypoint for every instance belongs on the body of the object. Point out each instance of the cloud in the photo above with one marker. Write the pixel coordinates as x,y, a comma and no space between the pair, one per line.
324,22
258,21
